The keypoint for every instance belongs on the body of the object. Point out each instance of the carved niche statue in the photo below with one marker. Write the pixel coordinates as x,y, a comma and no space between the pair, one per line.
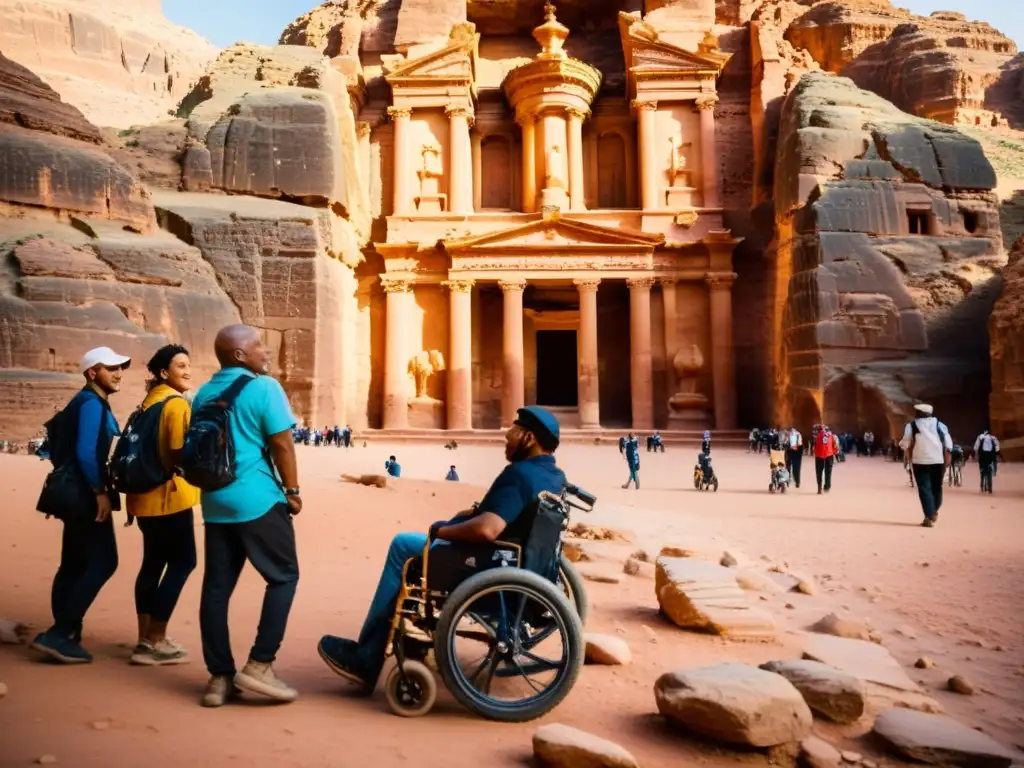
688,407
555,169
678,168
422,366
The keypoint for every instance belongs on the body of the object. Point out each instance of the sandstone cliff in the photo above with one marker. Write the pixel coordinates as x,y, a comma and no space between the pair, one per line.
943,66
887,246
1006,402
120,63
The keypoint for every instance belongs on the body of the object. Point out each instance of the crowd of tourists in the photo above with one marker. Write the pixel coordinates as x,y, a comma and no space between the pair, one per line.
336,436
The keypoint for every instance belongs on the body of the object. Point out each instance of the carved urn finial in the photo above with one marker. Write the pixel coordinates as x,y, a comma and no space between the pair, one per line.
551,34
687,362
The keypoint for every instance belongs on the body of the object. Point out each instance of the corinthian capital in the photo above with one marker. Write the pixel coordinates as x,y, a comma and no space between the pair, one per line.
644,283
395,284
458,111
579,114
512,285
706,102
638,105
587,284
459,286
719,281
396,112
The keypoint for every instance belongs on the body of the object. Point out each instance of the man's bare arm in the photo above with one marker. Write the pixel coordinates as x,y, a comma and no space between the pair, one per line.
482,529
282,450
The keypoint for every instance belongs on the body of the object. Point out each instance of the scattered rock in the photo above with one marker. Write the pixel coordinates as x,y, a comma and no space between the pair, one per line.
634,567
837,695
838,627
959,684
818,753
561,746
100,725
851,757
790,606
734,703
728,560
924,663
12,632
696,594
379,481
599,573
906,632
876,637
869,763
804,584
939,740
598,533
755,581
700,549
642,555
573,552
605,649
886,682
46,760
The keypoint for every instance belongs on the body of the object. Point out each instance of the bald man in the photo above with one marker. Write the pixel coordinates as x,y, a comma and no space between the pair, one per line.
250,519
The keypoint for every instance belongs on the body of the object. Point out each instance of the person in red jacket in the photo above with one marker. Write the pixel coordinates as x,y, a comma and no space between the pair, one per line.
825,447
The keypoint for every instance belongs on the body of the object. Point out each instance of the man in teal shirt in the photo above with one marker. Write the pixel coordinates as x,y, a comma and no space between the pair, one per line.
250,519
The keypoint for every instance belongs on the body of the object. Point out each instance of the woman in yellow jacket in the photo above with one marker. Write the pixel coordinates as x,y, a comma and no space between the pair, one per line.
165,516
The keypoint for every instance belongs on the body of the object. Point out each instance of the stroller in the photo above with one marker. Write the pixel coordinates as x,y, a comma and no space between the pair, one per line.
703,475
780,475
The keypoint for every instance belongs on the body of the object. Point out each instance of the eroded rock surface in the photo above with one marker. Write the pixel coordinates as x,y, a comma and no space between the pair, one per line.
835,694
940,740
1006,402
562,746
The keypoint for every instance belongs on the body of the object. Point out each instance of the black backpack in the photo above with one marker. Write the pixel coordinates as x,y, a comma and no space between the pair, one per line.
136,466
208,456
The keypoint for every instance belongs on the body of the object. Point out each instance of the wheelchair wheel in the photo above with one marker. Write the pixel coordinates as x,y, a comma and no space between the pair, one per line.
412,694
572,585
530,653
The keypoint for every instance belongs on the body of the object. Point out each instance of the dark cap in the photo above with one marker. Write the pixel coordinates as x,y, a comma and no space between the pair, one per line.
542,423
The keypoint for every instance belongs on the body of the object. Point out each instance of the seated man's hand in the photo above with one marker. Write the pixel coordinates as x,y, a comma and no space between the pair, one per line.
435,527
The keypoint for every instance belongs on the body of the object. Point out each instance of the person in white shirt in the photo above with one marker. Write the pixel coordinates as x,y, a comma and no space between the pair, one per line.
928,448
793,442
986,448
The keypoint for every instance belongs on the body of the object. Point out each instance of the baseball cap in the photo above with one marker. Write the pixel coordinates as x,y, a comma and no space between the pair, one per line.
924,408
542,423
103,356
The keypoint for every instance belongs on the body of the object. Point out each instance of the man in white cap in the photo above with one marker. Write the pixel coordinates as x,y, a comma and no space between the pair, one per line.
80,437
928,448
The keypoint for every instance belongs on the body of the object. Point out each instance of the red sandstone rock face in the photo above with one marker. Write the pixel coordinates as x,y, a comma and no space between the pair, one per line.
886,255
1007,399
120,63
27,101
941,67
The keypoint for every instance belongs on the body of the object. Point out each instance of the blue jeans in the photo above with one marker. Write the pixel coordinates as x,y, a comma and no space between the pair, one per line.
374,635
634,477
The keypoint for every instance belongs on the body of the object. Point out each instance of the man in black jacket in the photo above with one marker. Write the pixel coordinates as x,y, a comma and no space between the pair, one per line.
83,434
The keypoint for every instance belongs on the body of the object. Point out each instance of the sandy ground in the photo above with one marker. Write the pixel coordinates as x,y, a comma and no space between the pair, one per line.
953,593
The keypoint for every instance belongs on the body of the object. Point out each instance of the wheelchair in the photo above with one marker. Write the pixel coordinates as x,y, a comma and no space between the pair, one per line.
503,621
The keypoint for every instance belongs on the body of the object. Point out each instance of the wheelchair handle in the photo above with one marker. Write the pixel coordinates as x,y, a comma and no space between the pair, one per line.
585,496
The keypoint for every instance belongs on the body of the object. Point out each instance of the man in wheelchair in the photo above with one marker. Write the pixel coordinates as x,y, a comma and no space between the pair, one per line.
530,444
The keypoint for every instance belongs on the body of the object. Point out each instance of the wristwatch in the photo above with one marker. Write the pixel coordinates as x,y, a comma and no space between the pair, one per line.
291,491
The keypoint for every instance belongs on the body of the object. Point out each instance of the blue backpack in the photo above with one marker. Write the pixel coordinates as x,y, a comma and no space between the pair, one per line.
208,456
136,466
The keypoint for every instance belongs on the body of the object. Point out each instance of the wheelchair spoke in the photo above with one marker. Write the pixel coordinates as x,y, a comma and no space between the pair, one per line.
526,676
539,638
542,662
482,622
488,666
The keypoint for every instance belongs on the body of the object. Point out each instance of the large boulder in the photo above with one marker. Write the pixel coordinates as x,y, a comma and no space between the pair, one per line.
1006,403
734,703
696,594
837,695
119,63
940,740
890,261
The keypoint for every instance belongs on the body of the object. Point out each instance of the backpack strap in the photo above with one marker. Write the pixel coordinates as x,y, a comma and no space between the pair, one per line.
228,396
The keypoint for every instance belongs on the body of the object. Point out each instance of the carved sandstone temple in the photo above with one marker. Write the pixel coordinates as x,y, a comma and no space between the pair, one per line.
546,243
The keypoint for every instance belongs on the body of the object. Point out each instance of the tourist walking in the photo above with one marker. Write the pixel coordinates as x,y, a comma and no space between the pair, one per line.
794,443
78,492
251,518
632,451
929,449
986,448
825,448
164,513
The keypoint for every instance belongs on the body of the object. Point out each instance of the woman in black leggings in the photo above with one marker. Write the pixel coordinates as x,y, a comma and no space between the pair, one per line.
165,515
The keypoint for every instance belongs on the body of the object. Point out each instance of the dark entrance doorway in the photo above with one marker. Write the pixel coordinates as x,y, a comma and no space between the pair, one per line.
557,376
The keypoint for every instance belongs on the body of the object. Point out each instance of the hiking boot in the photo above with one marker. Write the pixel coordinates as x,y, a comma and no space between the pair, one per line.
159,654
63,649
259,677
219,690
342,656
928,523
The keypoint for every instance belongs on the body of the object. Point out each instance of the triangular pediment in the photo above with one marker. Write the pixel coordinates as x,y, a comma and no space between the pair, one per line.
457,60
645,51
554,232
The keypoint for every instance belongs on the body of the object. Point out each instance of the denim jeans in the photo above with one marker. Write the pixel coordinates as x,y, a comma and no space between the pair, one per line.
794,458
374,635
168,558
929,487
634,477
88,558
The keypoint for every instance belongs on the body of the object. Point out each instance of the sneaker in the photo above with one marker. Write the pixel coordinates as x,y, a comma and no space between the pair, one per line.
219,690
143,646
259,677
162,653
341,656
928,523
63,649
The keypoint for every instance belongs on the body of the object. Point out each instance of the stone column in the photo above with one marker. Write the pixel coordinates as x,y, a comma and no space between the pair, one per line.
641,374
589,396
668,296
396,356
478,186
708,151
401,202
575,152
722,371
460,181
632,200
529,185
647,135
513,389
460,355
